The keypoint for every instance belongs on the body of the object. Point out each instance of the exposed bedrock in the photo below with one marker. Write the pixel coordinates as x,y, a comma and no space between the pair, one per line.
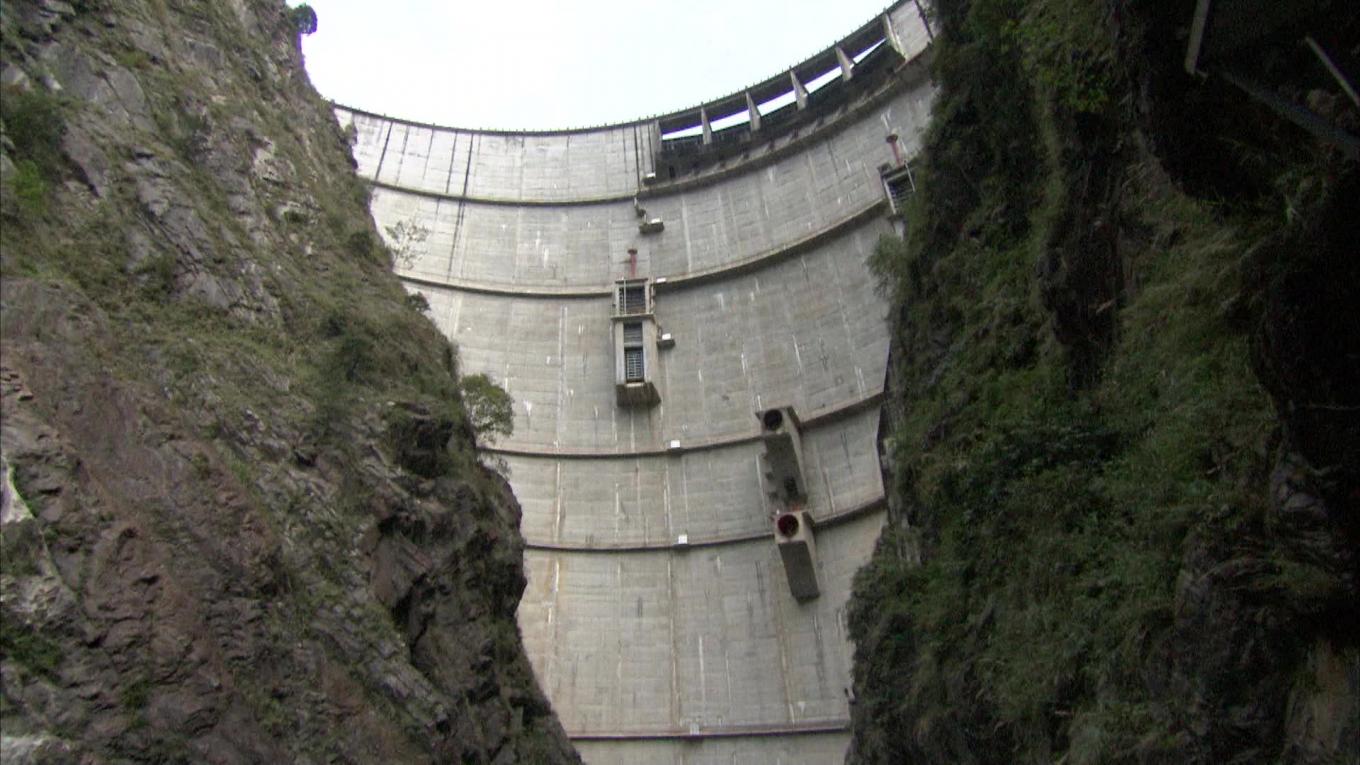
242,518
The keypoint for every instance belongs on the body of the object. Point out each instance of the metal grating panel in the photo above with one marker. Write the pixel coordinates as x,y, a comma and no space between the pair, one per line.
632,365
899,185
632,300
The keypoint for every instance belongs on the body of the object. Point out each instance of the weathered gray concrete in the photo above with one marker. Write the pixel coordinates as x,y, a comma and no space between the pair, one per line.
657,615
775,750
707,494
734,219
566,166
651,642
806,331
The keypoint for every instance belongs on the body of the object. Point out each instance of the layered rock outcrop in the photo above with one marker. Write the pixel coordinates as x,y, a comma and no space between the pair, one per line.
242,516
1124,400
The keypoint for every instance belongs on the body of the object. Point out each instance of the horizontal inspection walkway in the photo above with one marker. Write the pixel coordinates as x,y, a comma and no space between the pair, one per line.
423,180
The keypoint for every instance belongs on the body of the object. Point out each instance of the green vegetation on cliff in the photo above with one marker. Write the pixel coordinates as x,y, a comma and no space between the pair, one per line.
1116,535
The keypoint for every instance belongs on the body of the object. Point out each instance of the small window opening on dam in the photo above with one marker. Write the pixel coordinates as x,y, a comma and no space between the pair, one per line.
632,300
633,365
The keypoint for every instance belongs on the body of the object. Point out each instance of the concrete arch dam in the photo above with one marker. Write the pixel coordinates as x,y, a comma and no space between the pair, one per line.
681,310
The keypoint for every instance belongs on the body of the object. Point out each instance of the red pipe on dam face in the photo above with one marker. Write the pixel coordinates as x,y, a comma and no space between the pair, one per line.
896,150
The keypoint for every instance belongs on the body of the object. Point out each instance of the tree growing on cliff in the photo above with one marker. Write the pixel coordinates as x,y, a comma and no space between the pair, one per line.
303,18
488,406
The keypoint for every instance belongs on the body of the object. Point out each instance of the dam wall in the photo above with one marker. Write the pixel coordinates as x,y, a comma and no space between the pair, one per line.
660,616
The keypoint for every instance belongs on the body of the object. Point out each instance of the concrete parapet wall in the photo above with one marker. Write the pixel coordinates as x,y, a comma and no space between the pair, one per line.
732,220
516,167
585,165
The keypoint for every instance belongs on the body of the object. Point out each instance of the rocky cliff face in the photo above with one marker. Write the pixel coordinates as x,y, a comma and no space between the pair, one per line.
1124,403
242,516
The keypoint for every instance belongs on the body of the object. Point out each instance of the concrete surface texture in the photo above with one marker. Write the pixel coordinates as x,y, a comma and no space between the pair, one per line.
658,616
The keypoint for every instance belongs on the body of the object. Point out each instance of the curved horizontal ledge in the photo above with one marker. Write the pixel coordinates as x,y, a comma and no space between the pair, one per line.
815,419
772,257
534,293
827,521
503,201
671,282
495,131
729,731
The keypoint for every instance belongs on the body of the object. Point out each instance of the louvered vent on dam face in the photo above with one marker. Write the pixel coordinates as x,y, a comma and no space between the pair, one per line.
652,295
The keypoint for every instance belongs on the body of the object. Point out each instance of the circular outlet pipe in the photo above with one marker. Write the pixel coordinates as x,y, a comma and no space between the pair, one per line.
787,524
772,419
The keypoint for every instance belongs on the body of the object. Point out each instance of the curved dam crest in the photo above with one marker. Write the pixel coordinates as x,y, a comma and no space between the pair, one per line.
661,616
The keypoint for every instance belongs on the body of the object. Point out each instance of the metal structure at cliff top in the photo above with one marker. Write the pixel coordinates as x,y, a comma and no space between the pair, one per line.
681,310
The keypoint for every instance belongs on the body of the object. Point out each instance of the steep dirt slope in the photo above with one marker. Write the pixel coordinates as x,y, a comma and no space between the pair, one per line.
1125,448
242,516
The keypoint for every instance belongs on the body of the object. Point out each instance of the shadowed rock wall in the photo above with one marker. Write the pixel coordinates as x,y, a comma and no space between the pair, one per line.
242,521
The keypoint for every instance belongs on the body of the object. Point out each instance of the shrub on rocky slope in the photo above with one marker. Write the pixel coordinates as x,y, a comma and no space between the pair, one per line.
1124,410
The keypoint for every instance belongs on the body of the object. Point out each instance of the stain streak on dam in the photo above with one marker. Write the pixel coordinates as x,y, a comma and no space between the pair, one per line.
659,616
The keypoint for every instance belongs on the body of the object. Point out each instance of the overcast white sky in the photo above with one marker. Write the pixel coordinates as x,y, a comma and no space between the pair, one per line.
539,64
